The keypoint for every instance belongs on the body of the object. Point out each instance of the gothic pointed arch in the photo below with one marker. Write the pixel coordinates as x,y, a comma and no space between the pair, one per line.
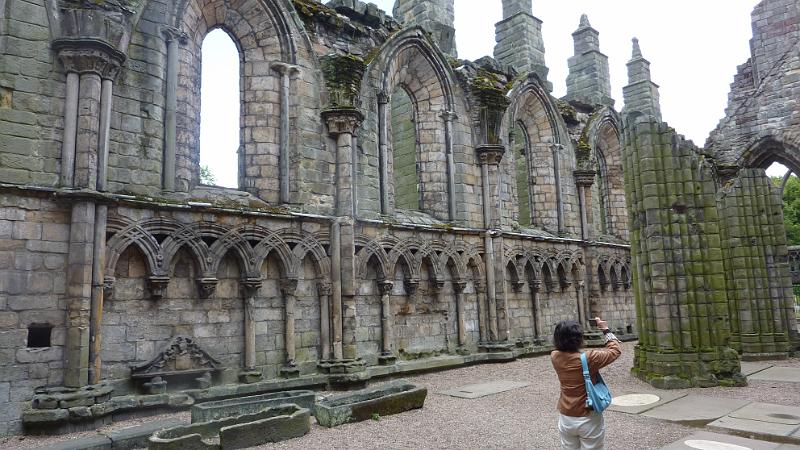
607,203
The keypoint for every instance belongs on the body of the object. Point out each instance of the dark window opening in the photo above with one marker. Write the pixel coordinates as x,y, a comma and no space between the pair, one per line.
39,335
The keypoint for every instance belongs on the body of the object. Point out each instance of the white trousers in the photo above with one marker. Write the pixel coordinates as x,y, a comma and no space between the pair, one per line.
582,433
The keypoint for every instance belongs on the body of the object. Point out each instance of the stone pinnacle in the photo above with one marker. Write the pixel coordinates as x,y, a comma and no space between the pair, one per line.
637,52
584,21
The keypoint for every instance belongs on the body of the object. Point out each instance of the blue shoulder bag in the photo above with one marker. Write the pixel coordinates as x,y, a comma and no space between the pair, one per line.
598,395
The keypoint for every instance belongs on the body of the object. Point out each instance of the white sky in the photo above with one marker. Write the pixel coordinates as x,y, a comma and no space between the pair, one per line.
694,47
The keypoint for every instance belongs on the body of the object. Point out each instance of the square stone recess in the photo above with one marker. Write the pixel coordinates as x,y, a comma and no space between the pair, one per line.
782,374
751,367
664,398
709,439
695,409
484,389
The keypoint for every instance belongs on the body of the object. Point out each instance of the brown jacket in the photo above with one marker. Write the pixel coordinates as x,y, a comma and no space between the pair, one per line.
572,401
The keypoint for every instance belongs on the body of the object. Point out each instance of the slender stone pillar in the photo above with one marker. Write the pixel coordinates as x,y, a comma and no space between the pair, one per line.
556,148
174,38
582,319
387,355
288,288
342,124
287,72
480,288
324,290
449,117
70,127
535,286
584,179
383,144
461,315
250,288
490,157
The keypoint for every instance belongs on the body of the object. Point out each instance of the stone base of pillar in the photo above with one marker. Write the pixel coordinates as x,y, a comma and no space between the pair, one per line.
492,347
387,360
250,376
290,372
719,367
345,374
463,351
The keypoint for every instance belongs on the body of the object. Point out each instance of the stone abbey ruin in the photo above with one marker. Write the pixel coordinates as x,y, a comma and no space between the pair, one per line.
397,209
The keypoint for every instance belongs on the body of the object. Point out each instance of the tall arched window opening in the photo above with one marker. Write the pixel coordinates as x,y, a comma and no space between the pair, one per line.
407,186
220,130
523,171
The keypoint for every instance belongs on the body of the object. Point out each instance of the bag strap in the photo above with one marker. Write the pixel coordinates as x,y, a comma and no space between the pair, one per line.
585,366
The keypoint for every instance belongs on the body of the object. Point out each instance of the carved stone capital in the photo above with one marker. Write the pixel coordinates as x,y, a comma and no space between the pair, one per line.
459,286
480,287
517,285
449,116
412,285
207,286
535,285
89,56
584,178
175,34
286,69
250,286
158,286
324,288
288,286
490,154
386,286
342,120
108,287
383,98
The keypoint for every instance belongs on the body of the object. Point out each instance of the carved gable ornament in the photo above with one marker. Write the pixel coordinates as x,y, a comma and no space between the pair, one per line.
181,356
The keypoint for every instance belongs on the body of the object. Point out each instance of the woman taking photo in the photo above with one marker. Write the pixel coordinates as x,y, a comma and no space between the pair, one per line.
579,427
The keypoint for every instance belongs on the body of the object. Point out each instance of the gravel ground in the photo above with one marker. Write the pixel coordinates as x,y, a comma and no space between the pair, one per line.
522,418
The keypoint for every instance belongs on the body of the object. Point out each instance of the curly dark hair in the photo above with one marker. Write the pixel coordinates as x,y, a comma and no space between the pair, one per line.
568,336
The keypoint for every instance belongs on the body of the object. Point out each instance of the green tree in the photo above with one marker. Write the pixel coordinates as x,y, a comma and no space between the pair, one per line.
791,209
207,176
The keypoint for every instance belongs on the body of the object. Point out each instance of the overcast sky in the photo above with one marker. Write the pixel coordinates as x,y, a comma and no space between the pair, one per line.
694,47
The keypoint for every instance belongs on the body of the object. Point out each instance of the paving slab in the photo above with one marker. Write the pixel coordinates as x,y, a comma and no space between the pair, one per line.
695,409
755,428
782,374
751,367
705,440
639,402
767,412
483,389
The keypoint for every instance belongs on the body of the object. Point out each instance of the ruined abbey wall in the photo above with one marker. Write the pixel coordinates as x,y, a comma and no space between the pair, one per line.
356,241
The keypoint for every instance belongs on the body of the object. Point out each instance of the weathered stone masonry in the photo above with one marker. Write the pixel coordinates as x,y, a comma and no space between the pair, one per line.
357,240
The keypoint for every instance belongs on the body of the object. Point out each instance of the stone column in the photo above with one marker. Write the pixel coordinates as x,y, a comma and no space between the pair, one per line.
535,286
287,72
92,65
490,157
288,288
582,319
480,289
70,127
556,148
324,290
387,356
449,117
383,144
250,288
459,287
342,124
174,38
584,180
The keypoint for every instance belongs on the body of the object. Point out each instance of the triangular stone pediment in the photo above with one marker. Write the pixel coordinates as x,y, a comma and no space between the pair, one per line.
181,355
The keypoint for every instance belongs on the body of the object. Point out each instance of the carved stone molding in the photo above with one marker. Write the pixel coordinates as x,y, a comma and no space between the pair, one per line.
288,286
89,56
490,154
324,288
536,285
250,287
459,286
386,287
286,69
108,287
342,120
181,355
383,98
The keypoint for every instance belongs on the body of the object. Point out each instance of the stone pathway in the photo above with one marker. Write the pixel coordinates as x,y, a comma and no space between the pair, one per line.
525,416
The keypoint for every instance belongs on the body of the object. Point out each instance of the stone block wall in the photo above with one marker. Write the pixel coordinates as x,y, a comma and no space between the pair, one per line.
34,242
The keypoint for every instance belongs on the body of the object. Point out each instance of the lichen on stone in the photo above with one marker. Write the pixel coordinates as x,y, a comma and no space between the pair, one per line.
343,74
